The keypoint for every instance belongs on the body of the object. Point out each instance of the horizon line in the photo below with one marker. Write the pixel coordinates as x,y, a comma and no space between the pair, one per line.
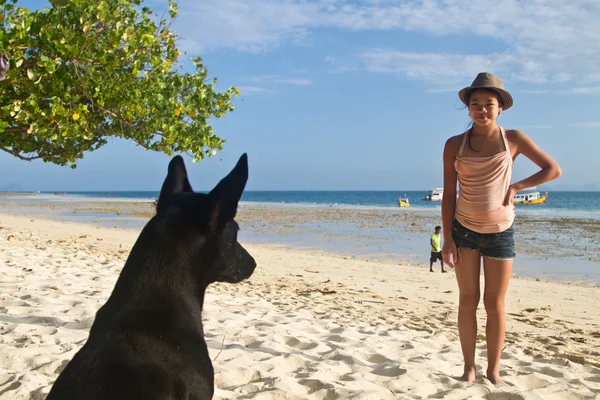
264,190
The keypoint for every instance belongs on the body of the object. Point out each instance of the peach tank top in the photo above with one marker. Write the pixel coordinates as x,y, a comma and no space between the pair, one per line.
483,183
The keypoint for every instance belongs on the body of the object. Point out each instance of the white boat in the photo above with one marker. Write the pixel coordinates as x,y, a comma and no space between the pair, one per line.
530,196
434,195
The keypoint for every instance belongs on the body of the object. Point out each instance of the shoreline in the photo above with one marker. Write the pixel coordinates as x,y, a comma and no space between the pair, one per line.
307,325
558,249
431,207
281,247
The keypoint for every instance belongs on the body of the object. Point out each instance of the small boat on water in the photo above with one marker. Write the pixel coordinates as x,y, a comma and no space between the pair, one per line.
403,201
434,195
530,196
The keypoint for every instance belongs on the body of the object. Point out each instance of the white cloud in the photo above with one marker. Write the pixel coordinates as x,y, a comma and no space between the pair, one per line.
249,90
434,67
544,41
250,25
574,91
337,66
591,124
341,69
586,90
296,81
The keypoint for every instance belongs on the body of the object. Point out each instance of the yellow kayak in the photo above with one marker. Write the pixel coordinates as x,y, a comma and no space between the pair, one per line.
403,202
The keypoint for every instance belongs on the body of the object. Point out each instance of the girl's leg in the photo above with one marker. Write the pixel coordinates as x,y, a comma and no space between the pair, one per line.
497,275
467,275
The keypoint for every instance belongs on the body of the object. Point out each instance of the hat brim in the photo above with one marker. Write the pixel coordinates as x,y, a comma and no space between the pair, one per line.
507,100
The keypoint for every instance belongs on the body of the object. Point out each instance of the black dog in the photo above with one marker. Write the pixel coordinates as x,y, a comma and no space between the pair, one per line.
147,341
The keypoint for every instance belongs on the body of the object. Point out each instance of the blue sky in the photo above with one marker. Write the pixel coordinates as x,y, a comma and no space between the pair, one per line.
361,95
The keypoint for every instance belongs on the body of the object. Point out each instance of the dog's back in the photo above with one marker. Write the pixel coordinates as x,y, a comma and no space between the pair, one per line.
147,341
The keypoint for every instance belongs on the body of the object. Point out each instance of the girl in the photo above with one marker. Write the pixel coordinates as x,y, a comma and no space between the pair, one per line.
480,223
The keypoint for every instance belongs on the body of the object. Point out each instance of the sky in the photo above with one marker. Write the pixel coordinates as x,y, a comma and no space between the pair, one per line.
362,94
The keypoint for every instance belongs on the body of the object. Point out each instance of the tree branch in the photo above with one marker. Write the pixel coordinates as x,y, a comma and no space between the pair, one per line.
19,129
38,157
129,124
20,157
116,117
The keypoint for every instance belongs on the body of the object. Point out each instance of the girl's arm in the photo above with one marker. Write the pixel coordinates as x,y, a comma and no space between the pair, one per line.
549,168
450,176
449,199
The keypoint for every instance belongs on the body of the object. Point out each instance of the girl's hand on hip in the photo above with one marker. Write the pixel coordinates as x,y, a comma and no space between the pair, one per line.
510,195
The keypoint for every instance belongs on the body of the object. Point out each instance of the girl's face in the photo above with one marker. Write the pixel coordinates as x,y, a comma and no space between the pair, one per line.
484,107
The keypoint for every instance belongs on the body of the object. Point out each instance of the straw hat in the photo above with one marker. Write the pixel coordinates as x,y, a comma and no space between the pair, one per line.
486,80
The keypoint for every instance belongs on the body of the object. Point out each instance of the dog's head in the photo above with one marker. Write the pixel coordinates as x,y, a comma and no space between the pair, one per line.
206,222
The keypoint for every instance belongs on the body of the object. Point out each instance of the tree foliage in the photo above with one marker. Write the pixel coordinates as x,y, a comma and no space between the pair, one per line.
84,71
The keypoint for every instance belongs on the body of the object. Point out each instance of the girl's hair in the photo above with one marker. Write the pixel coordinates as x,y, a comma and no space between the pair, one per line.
467,101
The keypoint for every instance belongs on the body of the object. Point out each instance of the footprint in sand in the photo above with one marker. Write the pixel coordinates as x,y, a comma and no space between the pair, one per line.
5,378
23,341
504,396
246,341
347,378
552,372
523,364
388,370
295,343
314,385
336,338
46,330
531,381
349,360
406,346
595,379
366,332
79,325
377,359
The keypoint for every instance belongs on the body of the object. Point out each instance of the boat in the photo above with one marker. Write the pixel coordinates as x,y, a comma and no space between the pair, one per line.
403,201
530,196
434,194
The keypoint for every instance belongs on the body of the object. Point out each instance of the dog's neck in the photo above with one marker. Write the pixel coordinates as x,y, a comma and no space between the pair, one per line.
161,283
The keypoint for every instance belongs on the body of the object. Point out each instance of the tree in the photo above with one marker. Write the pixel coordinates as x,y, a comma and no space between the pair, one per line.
87,70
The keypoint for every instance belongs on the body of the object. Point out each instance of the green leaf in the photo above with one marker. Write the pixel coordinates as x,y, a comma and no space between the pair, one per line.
112,65
32,75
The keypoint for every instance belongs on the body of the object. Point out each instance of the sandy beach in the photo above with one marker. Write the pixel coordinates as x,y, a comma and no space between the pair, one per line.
307,325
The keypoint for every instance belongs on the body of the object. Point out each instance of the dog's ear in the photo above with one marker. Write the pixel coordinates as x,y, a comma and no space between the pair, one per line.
176,182
226,195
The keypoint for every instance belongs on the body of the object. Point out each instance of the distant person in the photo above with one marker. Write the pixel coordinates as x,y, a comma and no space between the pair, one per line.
436,249
480,222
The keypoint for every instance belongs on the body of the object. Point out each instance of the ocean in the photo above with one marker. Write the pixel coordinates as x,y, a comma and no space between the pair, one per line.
571,204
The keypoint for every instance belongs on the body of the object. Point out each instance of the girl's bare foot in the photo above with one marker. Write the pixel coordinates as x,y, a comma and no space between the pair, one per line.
469,375
494,377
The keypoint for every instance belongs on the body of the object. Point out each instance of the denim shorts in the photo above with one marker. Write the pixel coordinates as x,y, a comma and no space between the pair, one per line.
498,246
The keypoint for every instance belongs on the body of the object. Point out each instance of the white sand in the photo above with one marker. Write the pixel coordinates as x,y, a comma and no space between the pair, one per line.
305,326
